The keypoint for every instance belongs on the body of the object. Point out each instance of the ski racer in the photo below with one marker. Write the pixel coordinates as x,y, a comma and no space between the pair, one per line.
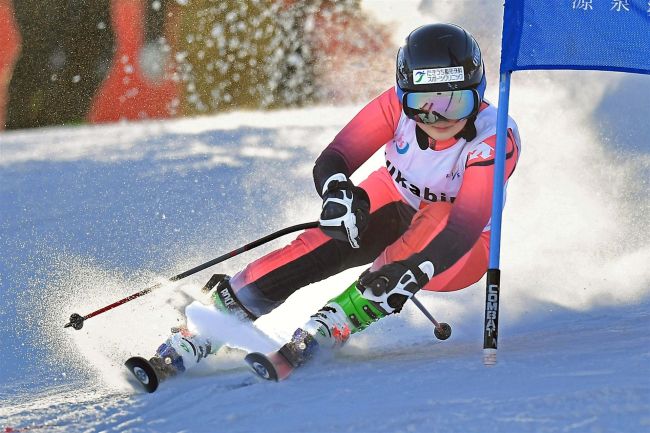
422,222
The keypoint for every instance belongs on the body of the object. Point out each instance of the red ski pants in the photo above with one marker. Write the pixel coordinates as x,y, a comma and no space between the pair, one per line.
395,231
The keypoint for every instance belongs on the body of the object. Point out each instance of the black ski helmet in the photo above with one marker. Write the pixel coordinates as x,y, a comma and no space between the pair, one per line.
436,46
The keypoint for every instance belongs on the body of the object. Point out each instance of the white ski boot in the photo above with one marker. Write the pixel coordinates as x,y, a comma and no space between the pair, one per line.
182,351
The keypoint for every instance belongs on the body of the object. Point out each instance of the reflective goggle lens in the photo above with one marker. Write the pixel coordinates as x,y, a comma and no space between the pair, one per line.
430,107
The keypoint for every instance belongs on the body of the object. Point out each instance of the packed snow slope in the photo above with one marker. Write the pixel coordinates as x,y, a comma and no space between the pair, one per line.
91,214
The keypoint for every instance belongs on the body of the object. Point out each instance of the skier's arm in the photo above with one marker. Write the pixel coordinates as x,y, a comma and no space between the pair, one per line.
469,215
346,207
370,129
471,210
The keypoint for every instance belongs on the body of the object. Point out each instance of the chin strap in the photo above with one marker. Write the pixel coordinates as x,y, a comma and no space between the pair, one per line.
469,131
421,137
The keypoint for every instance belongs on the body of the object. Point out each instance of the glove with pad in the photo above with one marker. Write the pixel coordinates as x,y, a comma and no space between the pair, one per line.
346,209
393,284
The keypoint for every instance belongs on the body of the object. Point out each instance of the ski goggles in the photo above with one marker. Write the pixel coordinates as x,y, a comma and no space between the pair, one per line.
431,107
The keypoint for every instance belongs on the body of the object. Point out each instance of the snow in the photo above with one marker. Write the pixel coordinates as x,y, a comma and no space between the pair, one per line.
91,214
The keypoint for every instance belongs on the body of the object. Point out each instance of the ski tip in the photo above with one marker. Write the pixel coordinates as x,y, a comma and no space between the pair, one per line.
261,366
143,372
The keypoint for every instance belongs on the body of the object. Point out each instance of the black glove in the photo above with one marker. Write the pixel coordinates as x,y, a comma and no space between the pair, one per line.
393,284
346,209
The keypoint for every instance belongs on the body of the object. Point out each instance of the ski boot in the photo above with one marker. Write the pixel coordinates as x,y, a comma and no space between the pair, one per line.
224,298
342,316
332,325
181,351
329,328
184,350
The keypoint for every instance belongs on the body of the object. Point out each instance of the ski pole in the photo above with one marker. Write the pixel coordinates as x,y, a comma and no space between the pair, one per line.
442,330
77,320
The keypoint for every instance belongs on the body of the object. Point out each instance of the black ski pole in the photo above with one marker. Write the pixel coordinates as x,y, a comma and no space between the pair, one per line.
442,330
77,320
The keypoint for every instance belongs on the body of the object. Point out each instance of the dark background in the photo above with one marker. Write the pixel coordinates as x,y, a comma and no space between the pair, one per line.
201,57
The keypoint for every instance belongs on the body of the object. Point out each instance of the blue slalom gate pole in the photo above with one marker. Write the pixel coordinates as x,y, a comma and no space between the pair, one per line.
491,328
531,41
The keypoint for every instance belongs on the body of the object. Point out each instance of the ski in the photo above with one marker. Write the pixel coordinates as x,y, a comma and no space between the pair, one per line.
280,364
274,366
143,372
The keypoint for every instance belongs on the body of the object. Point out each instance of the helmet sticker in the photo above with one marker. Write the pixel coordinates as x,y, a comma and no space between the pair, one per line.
439,75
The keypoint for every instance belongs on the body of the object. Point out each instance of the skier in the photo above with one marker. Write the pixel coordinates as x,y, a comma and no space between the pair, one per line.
422,221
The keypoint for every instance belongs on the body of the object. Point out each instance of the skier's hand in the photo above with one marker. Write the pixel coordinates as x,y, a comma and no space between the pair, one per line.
393,284
346,209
